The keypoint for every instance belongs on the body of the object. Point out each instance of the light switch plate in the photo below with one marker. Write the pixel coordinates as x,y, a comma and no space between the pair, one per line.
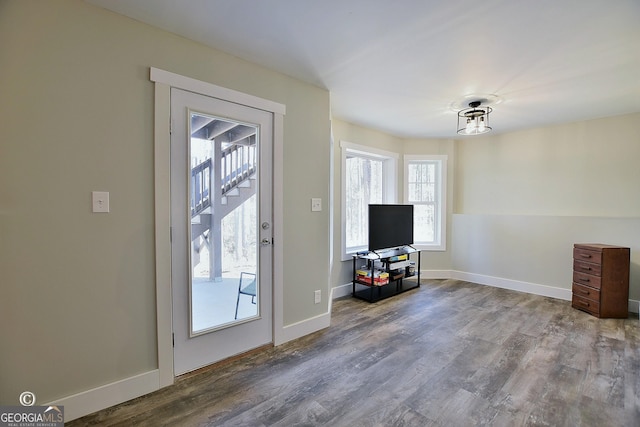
100,201
316,204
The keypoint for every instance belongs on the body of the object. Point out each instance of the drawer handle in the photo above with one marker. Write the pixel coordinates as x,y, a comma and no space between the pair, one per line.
586,304
585,255
584,279
583,292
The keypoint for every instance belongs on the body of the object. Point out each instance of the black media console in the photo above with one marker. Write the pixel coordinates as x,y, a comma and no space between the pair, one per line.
385,273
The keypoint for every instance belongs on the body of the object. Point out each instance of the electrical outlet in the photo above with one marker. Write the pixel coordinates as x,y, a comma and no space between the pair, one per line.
316,204
317,296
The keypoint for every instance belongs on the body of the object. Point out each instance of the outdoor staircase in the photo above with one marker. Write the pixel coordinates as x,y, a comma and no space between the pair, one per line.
220,183
237,185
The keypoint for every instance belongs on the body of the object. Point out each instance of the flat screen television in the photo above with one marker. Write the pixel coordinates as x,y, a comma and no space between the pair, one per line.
390,226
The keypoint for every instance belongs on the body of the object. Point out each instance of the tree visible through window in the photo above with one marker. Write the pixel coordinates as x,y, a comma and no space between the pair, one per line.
425,189
369,176
363,187
421,182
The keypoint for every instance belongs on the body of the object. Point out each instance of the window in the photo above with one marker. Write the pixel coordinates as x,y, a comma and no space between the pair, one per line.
368,176
425,188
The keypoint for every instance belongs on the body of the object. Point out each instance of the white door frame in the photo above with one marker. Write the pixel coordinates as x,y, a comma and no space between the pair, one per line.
164,81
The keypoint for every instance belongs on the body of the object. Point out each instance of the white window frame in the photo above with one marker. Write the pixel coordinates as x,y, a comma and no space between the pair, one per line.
389,183
440,239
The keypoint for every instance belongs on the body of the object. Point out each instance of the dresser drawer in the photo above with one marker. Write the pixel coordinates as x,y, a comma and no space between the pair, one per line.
587,267
585,304
581,254
601,279
586,292
586,279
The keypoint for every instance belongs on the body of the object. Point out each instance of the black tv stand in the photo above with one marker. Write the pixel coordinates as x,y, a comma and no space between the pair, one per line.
383,273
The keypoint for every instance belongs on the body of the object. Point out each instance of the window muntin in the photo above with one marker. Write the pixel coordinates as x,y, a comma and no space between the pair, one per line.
425,188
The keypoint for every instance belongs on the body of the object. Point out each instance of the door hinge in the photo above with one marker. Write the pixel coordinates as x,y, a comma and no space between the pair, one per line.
171,234
170,126
173,339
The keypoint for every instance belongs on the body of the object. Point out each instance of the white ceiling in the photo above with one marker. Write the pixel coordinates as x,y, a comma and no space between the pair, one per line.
399,65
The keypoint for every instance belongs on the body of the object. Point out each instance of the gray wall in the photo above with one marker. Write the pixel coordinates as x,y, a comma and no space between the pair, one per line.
344,131
524,198
78,289
78,301
518,201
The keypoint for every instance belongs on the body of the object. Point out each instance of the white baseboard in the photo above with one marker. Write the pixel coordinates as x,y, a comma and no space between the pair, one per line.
531,288
498,282
514,285
435,274
341,290
90,401
305,327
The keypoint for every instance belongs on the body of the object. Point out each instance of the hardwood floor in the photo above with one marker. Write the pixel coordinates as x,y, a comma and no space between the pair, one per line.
450,353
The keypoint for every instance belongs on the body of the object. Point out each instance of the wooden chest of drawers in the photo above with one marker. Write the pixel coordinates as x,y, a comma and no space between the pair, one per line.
601,280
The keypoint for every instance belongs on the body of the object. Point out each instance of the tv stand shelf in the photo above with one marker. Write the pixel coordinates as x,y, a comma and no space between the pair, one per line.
382,274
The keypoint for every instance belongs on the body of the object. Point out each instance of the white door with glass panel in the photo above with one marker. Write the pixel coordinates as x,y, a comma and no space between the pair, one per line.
221,197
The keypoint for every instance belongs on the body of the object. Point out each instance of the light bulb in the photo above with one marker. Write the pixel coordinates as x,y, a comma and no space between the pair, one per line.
481,126
470,126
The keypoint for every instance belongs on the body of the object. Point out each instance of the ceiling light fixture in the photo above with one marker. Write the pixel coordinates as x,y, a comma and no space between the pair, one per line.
474,120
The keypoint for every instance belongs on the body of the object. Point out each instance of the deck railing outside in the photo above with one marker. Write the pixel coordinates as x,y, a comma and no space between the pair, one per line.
237,164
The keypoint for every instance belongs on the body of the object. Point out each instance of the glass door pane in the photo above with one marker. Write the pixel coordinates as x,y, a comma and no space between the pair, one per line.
224,222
